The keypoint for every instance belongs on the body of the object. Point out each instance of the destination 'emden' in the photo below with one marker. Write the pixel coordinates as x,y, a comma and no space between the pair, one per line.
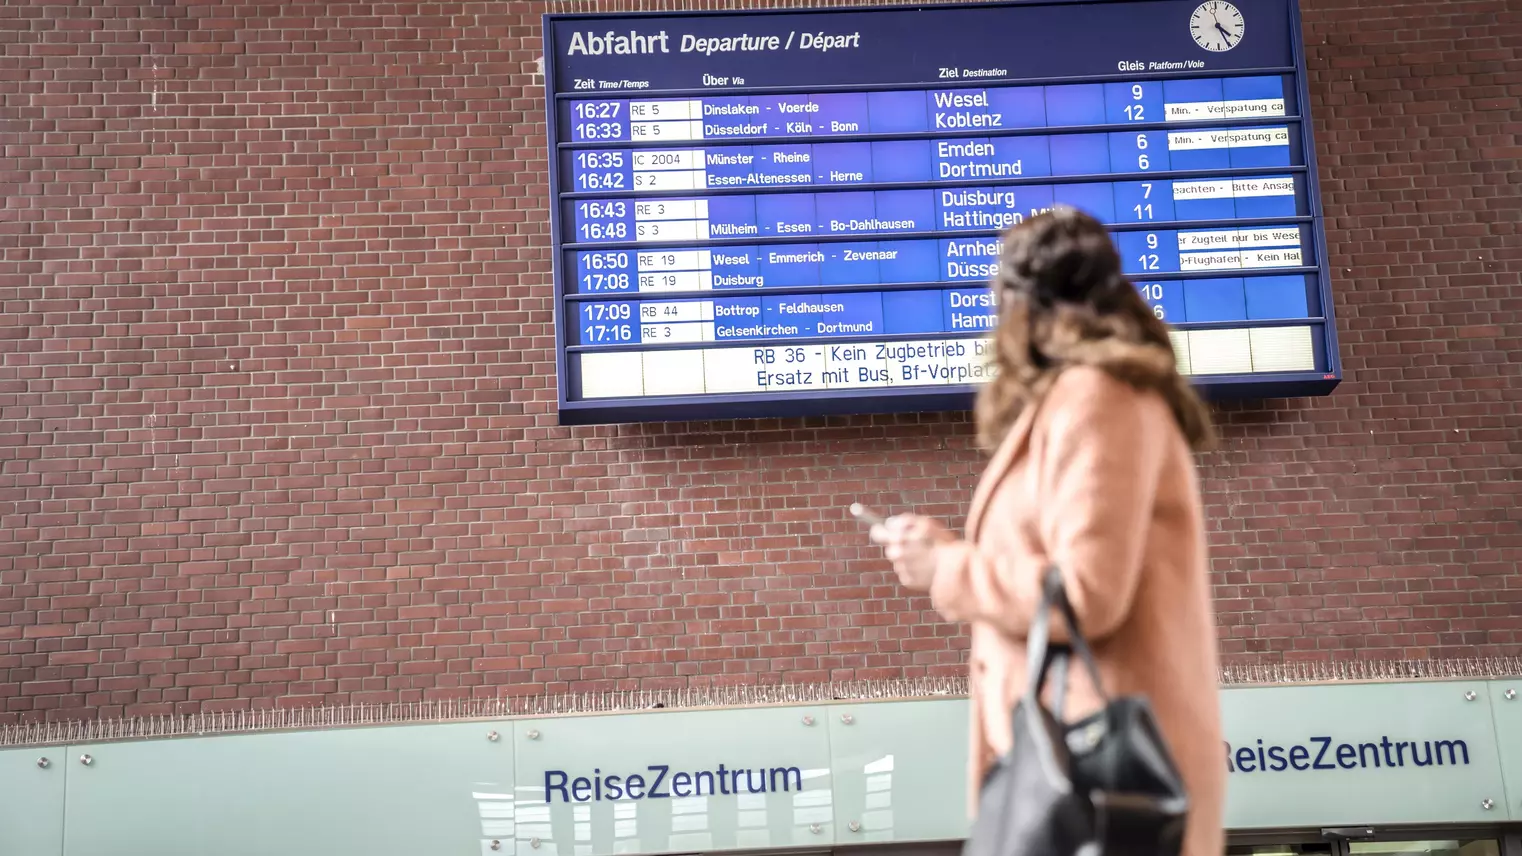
658,782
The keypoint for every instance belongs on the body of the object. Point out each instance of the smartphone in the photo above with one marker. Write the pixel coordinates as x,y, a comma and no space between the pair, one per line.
866,515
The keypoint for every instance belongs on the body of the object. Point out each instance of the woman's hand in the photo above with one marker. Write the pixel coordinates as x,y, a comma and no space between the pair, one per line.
909,542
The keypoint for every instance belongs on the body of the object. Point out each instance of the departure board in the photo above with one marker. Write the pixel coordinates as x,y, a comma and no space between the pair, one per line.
781,213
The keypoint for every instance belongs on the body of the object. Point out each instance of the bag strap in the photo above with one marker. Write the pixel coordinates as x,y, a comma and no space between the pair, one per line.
1061,657
1045,658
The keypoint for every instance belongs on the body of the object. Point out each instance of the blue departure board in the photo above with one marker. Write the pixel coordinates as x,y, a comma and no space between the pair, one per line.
781,213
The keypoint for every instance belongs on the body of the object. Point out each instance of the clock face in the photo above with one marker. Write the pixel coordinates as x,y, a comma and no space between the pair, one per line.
1217,26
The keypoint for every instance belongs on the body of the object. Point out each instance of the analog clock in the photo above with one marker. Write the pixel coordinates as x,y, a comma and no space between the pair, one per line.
1217,26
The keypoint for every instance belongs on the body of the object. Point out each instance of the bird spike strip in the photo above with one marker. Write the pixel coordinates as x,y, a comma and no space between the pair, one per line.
252,720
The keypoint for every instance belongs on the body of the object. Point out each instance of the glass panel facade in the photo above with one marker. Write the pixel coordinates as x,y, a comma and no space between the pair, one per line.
1434,847
1306,849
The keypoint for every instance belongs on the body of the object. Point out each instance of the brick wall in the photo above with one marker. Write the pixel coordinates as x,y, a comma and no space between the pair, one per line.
276,387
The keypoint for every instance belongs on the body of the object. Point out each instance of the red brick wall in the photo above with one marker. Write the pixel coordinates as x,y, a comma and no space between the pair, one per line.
276,387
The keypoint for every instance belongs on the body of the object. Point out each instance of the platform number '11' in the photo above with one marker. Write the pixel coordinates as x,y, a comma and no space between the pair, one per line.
1144,209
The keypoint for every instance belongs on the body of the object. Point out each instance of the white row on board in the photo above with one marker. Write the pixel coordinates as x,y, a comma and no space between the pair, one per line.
688,219
887,365
683,119
687,169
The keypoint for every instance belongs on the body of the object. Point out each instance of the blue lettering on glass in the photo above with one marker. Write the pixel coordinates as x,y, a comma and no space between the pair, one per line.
657,781
1327,753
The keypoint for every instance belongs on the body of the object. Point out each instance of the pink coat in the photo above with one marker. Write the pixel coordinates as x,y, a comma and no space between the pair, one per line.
1098,479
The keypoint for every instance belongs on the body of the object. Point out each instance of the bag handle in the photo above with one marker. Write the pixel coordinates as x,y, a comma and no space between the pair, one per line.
1044,657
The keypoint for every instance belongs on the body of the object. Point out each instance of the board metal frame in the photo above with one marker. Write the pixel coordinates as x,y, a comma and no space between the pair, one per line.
919,399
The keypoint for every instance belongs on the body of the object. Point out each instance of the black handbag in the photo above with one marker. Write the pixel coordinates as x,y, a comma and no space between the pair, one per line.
1104,786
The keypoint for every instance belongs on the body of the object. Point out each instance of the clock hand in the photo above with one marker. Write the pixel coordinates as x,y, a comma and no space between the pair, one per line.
1224,32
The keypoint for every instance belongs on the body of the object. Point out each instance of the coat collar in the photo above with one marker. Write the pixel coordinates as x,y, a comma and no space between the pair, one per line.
999,465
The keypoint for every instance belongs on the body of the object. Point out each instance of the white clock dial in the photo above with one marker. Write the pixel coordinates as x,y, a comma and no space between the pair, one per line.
1217,26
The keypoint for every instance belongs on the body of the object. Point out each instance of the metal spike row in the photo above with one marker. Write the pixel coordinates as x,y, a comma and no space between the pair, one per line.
267,719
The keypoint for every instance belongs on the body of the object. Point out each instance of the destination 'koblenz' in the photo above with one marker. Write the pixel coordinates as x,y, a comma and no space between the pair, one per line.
659,782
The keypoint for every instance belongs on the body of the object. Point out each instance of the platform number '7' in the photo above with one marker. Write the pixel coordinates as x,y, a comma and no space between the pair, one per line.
1144,211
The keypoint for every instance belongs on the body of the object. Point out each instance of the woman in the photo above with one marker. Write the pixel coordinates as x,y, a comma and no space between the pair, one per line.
1092,428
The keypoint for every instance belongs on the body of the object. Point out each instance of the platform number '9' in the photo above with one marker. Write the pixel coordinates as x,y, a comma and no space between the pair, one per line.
1136,112
1150,261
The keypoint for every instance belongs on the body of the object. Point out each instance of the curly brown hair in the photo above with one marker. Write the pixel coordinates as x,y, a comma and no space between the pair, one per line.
1063,301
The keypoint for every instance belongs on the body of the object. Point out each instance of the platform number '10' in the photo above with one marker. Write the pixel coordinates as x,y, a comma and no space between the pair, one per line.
1152,292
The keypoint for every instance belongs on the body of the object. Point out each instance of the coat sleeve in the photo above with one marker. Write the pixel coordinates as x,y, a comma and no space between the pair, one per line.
1100,464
